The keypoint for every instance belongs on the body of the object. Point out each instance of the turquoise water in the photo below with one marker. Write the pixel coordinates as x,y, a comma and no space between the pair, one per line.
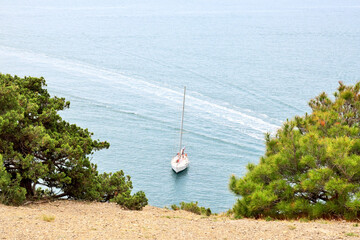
247,65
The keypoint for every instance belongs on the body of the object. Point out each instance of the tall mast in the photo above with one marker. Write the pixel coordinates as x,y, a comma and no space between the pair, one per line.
182,120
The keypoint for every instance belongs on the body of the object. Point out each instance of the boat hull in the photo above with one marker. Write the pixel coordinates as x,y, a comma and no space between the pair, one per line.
180,165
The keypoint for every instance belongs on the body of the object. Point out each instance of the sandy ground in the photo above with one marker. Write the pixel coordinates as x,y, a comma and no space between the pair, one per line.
81,220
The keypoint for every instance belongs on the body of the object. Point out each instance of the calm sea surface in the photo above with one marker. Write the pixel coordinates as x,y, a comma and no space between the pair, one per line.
248,65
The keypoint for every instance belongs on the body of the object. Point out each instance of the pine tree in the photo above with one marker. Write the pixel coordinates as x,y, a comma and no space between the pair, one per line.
311,168
39,149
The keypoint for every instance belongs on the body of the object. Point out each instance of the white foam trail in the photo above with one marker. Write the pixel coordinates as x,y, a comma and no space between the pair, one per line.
258,96
233,115
205,109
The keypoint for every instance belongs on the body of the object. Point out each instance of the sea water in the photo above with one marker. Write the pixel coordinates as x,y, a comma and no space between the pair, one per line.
247,65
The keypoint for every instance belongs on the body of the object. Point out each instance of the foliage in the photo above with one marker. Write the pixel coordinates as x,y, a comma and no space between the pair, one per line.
192,207
48,218
352,234
117,188
10,191
311,168
175,207
38,148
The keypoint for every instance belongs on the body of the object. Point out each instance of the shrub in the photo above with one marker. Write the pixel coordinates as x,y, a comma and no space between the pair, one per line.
192,207
132,202
174,207
311,167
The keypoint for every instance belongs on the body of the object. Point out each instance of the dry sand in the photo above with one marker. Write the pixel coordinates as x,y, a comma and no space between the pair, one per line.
81,220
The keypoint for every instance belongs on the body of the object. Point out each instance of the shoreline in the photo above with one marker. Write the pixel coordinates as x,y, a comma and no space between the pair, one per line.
66,219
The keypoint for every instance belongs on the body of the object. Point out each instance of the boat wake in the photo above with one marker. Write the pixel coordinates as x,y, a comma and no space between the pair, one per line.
200,108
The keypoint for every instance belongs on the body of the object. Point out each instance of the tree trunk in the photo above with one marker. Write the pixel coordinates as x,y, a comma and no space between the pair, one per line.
26,183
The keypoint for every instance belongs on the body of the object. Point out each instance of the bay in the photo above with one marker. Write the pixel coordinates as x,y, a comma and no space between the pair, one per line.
247,65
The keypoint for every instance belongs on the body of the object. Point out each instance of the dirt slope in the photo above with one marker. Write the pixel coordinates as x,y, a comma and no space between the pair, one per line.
81,220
